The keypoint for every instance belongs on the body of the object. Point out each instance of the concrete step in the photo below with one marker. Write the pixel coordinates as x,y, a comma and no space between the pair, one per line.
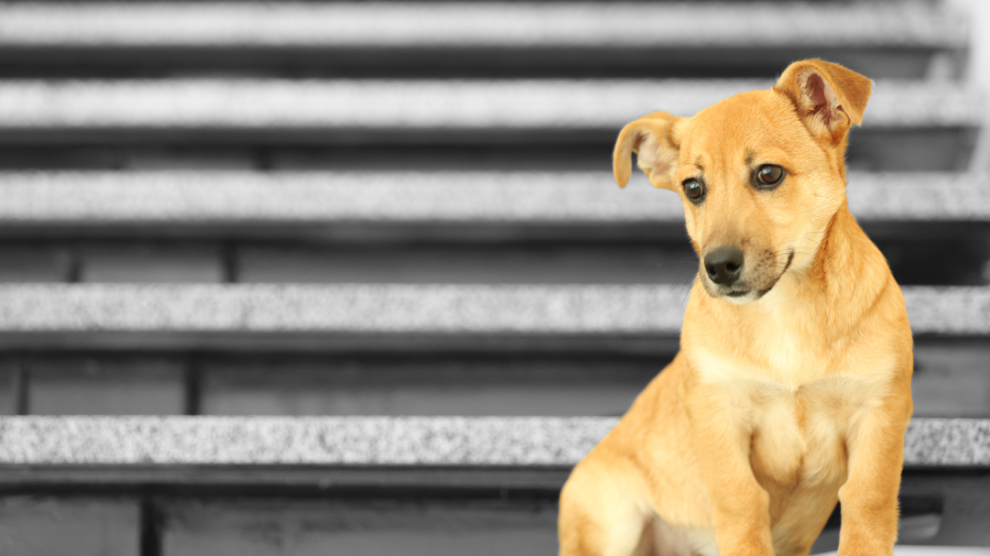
434,485
507,24
442,106
925,254
510,124
423,227
377,441
508,38
259,204
260,316
951,379
335,519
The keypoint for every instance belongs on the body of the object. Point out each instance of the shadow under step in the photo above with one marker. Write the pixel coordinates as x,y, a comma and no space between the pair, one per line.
327,516
951,379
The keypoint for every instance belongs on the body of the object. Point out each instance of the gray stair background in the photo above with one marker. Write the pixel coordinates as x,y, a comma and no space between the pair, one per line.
355,278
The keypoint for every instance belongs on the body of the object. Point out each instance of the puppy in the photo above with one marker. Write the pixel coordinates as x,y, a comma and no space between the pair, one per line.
792,388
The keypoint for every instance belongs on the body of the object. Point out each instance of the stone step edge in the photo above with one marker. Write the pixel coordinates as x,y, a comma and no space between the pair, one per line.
435,309
224,197
281,106
375,441
493,24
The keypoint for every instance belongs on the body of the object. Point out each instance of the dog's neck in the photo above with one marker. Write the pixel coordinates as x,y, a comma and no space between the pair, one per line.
833,294
847,266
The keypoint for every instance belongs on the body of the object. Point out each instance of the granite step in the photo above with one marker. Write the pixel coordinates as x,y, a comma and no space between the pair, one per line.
445,107
493,204
370,485
255,316
922,254
383,442
354,461
422,227
431,524
951,379
174,480
494,38
384,123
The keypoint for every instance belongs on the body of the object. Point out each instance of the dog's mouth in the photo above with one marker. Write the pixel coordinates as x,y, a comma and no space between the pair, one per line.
739,294
790,259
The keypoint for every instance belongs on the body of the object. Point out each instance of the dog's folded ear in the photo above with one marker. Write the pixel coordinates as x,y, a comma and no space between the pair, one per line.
829,98
654,140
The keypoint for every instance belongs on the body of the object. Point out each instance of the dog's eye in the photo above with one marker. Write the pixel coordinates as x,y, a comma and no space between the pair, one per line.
769,175
694,189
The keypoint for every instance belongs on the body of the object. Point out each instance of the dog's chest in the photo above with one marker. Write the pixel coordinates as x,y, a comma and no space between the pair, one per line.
797,434
795,411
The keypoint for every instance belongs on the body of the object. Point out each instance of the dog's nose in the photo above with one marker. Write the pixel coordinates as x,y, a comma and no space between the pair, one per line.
724,265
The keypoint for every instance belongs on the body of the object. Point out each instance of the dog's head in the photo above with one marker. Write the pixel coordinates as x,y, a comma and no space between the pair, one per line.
761,174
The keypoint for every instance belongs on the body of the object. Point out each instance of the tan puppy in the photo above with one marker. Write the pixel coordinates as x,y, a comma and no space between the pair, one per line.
792,387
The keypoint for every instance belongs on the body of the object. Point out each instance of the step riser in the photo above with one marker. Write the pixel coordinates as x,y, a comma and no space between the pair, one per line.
934,510
598,261
950,380
888,62
947,148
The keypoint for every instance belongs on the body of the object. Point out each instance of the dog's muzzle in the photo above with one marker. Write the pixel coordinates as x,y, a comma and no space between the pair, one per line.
724,267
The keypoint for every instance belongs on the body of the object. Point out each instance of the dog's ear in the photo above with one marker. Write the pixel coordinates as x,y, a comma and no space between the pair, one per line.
828,97
653,139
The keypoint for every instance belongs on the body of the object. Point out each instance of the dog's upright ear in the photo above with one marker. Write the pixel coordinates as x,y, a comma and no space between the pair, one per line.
829,98
654,140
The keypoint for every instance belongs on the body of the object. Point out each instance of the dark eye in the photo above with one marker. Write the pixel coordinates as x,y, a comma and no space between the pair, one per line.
769,175
694,189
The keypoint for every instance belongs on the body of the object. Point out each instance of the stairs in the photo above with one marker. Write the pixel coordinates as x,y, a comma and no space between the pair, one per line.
311,278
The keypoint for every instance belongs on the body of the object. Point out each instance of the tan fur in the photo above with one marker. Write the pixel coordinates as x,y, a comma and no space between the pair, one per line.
776,406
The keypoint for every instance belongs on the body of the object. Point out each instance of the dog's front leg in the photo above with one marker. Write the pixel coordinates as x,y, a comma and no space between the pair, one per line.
876,455
740,507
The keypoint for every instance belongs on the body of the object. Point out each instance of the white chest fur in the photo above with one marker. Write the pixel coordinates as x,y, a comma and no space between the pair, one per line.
795,408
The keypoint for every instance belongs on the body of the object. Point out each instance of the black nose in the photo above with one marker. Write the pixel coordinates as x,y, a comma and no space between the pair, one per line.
724,265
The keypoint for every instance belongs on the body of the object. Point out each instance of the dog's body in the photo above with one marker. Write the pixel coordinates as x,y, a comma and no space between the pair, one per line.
792,387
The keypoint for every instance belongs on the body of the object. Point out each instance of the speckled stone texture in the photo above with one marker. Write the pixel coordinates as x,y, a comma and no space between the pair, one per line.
315,197
933,196
378,440
349,308
956,310
948,442
424,104
189,197
484,24
343,440
442,309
